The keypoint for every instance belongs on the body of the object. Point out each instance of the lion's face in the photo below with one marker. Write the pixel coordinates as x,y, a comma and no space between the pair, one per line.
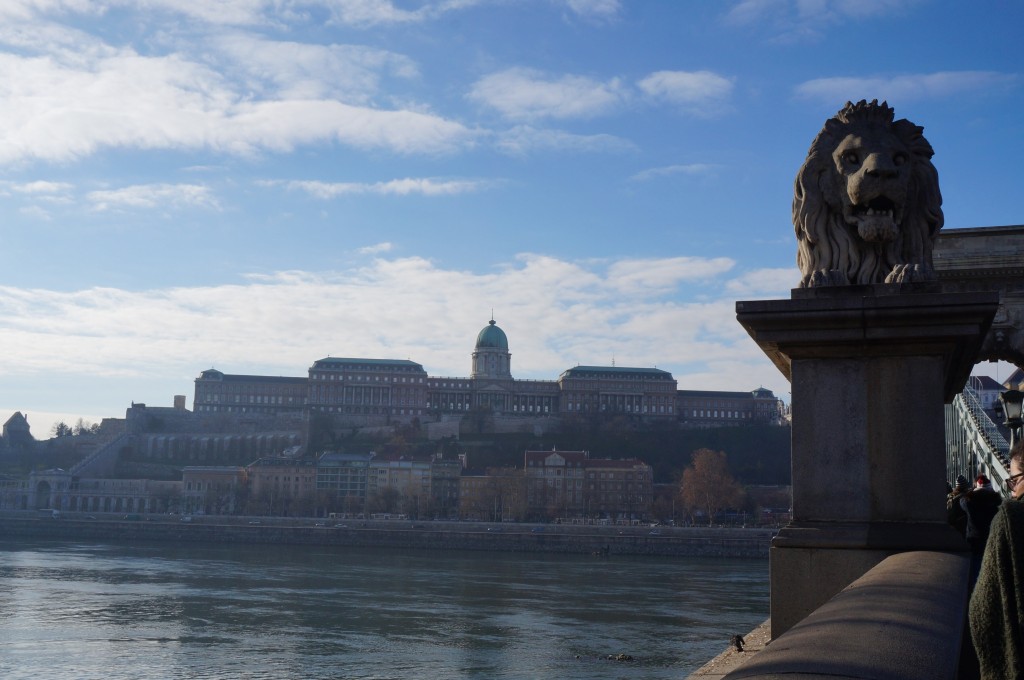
873,174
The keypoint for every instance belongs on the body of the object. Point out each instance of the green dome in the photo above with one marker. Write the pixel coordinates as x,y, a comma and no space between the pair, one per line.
492,337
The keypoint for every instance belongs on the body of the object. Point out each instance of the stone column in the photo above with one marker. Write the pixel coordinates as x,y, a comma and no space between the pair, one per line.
871,367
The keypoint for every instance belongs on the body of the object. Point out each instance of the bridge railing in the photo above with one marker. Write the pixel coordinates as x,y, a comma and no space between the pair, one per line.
973,442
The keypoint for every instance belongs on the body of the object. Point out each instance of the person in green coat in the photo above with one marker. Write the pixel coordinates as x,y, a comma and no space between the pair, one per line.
997,603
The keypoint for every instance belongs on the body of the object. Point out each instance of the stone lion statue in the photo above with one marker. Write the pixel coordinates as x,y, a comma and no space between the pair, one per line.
866,206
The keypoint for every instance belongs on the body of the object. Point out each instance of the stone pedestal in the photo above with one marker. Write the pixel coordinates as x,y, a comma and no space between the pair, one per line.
871,367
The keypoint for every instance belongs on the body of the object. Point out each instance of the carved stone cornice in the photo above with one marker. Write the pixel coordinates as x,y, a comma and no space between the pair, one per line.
987,259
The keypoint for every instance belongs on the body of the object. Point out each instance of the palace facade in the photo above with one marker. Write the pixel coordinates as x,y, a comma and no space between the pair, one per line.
396,391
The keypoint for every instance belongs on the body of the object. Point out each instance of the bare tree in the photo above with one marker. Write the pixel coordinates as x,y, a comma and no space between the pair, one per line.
708,484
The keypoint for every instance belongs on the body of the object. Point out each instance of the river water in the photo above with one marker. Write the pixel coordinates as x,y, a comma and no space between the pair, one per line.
157,610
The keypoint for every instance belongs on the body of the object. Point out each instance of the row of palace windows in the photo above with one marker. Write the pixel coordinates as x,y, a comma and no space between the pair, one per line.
701,413
365,378
253,399
712,403
628,408
369,410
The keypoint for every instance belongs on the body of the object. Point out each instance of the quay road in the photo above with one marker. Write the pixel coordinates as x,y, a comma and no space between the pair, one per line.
420,534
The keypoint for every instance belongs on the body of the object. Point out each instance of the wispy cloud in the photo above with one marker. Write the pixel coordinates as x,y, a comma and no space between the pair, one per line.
764,283
525,139
367,13
667,274
358,13
292,70
905,87
395,187
690,169
153,196
529,95
526,94
38,187
376,249
595,10
695,92
790,21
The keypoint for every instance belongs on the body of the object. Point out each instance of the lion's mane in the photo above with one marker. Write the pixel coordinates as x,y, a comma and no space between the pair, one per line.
829,250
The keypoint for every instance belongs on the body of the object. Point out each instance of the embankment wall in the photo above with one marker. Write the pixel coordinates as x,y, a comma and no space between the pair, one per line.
709,542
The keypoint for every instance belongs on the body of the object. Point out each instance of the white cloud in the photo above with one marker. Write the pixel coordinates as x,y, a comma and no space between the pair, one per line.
358,13
60,108
906,87
39,187
398,187
374,12
376,249
153,196
525,94
292,70
26,9
665,274
690,169
524,139
558,313
764,283
696,92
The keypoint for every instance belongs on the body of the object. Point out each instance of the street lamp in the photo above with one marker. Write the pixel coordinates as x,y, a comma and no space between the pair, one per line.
1011,401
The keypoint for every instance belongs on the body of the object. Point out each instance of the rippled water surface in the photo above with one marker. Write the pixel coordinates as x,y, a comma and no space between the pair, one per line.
156,610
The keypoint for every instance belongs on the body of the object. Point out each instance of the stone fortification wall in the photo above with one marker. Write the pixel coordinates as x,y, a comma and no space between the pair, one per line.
446,427
212,449
533,425
600,541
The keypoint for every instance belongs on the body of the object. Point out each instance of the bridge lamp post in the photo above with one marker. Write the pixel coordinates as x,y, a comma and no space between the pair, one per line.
1011,401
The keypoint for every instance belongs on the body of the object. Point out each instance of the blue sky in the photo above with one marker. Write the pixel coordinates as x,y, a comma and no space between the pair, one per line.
253,185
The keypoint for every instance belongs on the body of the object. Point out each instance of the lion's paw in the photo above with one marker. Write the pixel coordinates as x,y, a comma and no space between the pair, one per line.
821,278
910,273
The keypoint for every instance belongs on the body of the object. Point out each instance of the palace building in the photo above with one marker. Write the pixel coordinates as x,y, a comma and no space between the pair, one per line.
376,391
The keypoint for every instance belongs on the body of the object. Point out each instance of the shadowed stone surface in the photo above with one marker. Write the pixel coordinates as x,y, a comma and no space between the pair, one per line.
871,368
903,620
